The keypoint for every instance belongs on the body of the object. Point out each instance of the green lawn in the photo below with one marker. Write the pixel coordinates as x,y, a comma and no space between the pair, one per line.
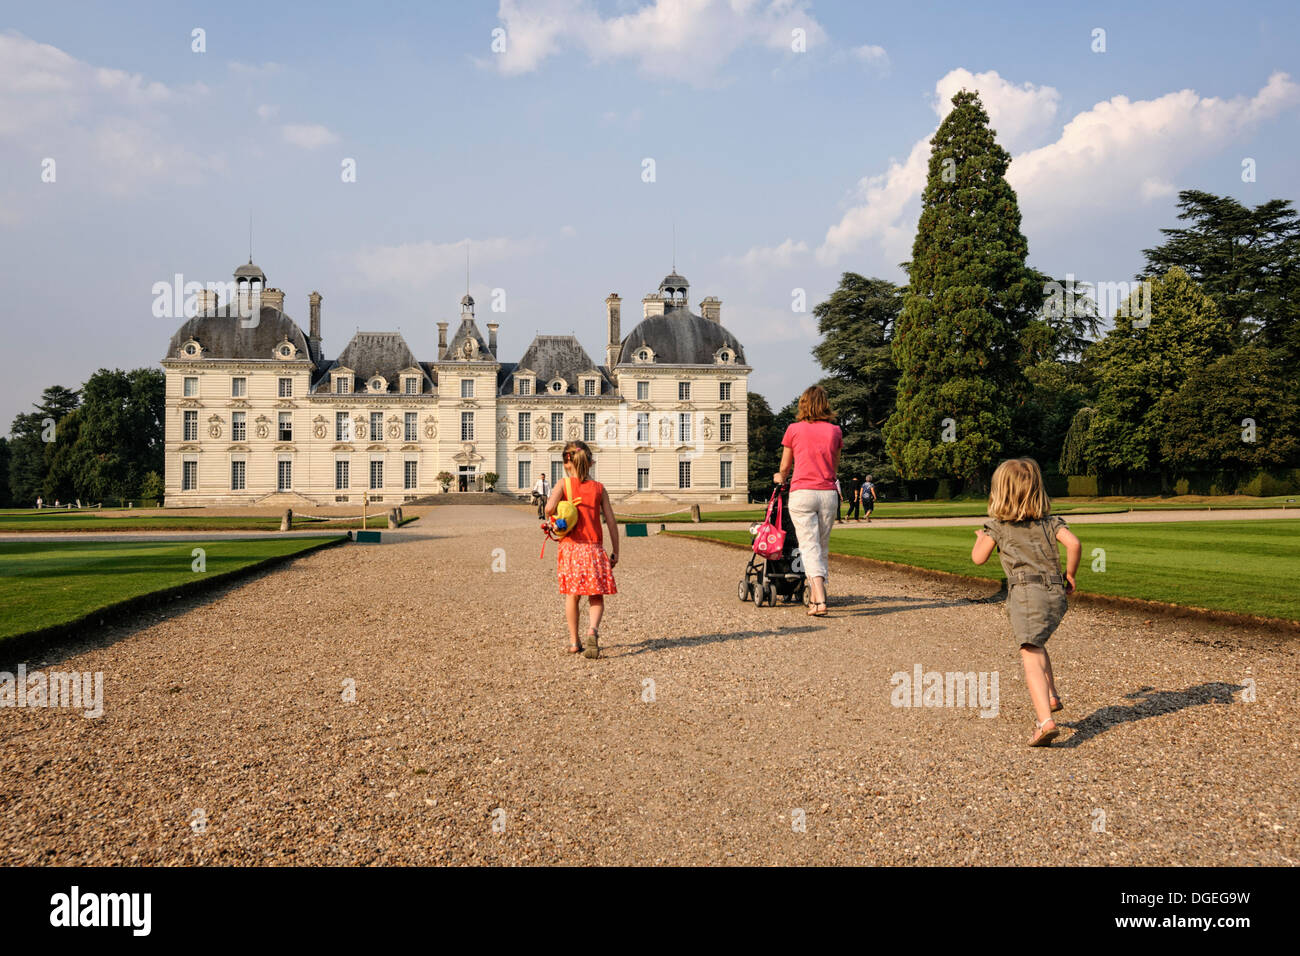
973,508
1248,567
34,522
50,583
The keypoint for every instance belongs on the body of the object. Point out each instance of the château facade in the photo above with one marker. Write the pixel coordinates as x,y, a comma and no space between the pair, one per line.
255,414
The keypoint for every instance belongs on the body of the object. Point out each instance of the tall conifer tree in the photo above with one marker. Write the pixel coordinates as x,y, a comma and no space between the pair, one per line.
970,295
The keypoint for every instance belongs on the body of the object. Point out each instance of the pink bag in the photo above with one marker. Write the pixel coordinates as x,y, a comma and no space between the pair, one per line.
770,540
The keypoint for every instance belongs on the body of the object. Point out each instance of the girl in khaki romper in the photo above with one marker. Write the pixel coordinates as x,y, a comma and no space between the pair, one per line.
1025,532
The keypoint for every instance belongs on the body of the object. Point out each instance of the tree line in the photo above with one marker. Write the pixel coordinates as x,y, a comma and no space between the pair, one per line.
101,442
1191,387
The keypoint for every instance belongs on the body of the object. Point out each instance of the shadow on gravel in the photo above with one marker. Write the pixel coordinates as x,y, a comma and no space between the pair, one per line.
1151,703
664,643
841,605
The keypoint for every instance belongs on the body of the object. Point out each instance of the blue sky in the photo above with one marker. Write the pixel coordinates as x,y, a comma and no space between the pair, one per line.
780,169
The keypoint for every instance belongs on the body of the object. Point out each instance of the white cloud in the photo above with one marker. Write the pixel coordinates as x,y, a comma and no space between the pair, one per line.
768,257
679,39
112,126
1117,151
266,111
254,69
874,55
416,264
308,135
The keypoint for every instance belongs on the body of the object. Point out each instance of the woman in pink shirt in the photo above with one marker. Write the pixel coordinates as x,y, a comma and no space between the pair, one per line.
810,459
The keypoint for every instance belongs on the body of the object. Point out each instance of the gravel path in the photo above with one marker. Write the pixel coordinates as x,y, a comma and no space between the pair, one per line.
761,719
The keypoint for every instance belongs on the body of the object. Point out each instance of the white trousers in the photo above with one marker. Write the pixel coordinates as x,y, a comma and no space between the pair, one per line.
813,513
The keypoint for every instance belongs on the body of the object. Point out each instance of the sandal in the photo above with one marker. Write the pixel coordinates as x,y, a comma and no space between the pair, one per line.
1055,701
575,648
592,649
1044,738
812,609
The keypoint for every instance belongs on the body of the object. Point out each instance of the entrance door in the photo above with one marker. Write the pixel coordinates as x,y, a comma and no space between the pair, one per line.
466,477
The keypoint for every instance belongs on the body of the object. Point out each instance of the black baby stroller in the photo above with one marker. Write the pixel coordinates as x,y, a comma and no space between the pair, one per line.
767,579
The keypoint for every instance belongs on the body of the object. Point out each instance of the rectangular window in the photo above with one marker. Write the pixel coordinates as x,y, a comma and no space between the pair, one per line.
191,387
724,474
239,426
589,387
238,387
410,427
191,426
286,388
466,388
684,426
557,471
642,427
286,426
412,385
525,425
466,426
643,391
525,386
588,426
683,474
342,427
376,426
642,472
557,426
724,426
237,475
525,475
683,391
724,391
410,474
189,475
284,475
376,476
342,386
341,474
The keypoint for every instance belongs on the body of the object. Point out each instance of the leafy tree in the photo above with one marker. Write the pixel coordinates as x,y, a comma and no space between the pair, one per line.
31,443
1246,260
1074,459
490,479
856,323
1140,369
106,447
764,445
6,499
969,298
1235,416
153,487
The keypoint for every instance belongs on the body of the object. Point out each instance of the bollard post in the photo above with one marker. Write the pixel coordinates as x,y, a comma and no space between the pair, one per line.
695,513
286,521
392,519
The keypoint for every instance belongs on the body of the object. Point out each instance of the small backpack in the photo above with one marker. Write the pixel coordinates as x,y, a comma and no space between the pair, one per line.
565,518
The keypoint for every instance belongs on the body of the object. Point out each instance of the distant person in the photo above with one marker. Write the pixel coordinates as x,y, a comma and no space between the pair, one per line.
40,503
1025,532
810,458
582,565
541,491
868,496
855,499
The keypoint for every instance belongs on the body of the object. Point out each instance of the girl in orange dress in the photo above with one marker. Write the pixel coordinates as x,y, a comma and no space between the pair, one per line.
583,566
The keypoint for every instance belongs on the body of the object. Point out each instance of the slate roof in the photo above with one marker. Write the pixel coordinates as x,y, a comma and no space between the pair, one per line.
468,329
679,337
376,353
226,337
556,356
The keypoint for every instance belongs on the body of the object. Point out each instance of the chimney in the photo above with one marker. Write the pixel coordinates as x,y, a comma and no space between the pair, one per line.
207,302
653,304
492,337
274,298
313,338
442,340
613,319
711,309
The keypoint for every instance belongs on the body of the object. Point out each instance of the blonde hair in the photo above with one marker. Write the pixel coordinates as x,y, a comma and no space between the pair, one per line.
1017,492
814,406
580,457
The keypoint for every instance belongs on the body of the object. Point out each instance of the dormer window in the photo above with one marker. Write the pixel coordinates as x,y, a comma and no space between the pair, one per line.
589,386
285,350
524,386
644,354
191,349
342,385
411,385
377,385
557,386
